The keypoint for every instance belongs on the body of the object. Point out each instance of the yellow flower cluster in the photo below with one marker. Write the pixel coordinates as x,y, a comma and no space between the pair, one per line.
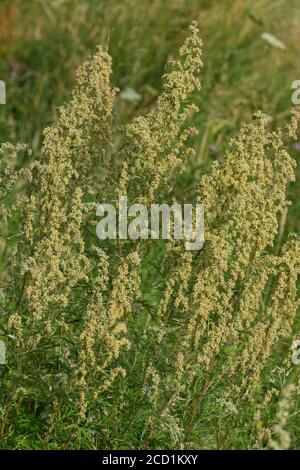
283,441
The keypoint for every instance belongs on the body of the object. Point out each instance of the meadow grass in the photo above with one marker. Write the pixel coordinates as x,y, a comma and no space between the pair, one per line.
43,43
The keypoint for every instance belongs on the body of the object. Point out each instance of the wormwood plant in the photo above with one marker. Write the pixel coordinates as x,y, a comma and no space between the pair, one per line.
142,344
